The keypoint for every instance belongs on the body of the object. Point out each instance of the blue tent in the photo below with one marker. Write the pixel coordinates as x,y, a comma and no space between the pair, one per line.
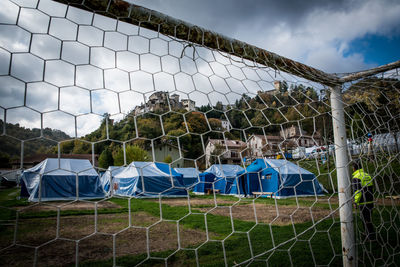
225,178
282,178
107,176
190,176
148,179
58,180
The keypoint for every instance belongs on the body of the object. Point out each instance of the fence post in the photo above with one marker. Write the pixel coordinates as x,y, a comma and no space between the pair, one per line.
343,178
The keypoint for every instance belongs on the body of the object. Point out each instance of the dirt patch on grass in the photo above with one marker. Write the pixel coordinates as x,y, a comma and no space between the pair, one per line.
280,215
197,201
245,210
80,230
335,200
78,205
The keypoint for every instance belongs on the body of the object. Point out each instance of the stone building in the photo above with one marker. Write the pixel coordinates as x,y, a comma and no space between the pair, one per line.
230,151
161,101
299,138
261,145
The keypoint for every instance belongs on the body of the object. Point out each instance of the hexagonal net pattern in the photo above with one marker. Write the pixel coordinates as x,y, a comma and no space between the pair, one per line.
138,139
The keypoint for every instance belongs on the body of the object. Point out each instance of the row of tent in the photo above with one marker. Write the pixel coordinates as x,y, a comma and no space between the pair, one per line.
63,179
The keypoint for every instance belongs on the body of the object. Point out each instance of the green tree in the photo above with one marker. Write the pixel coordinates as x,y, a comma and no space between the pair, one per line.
215,124
106,158
4,160
149,127
196,122
81,147
133,153
168,159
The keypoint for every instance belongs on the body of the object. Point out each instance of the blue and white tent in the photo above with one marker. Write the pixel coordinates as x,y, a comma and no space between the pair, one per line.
281,178
225,177
190,176
58,180
148,179
107,176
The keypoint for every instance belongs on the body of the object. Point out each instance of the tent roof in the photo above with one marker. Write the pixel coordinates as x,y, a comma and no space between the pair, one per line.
256,166
287,167
188,172
224,170
280,165
64,167
112,170
151,169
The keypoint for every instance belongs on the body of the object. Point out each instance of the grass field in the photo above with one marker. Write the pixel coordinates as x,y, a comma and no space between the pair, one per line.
142,231
212,229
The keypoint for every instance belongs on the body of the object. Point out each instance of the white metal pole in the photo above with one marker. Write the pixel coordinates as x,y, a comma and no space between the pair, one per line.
343,179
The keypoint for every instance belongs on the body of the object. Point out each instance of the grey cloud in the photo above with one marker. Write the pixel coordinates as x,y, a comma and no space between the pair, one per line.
249,21
227,16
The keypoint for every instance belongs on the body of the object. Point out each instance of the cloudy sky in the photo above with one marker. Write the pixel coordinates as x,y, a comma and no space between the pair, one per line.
63,68
335,36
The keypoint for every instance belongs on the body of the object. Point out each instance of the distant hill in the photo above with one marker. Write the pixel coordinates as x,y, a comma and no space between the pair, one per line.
374,104
265,113
10,145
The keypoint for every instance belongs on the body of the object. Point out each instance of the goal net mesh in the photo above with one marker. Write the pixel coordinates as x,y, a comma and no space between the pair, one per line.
203,150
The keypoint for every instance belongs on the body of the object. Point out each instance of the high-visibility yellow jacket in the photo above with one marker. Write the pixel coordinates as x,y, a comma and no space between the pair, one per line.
363,187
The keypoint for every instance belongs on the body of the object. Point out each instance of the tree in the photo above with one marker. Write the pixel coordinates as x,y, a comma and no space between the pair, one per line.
215,124
168,159
4,160
106,158
133,153
149,127
81,147
219,106
196,122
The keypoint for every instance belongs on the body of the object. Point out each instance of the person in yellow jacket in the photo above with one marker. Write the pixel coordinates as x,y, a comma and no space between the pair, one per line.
364,198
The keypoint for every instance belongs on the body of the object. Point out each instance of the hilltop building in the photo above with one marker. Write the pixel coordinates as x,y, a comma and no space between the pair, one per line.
161,101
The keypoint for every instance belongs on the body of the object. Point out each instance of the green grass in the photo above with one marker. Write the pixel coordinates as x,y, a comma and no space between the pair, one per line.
323,240
9,198
304,201
326,173
280,245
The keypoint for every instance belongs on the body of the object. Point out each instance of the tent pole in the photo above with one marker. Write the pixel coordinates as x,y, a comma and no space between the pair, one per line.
343,178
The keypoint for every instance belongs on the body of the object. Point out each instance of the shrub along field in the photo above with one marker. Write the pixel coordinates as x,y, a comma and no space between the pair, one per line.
281,231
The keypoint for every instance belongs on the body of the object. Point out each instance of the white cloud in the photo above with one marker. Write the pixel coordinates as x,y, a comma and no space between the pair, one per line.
325,34
330,59
87,123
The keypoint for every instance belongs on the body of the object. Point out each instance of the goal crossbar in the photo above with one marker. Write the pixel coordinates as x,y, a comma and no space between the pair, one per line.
164,24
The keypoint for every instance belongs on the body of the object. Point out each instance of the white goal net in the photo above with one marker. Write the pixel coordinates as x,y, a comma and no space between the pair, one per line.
131,138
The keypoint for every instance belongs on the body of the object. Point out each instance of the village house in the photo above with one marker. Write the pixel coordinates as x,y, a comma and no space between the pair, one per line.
165,151
261,145
289,138
299,138
230,151
226,125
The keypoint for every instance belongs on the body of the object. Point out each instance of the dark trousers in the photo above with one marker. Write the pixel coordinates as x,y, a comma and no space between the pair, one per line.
366,218
243,182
